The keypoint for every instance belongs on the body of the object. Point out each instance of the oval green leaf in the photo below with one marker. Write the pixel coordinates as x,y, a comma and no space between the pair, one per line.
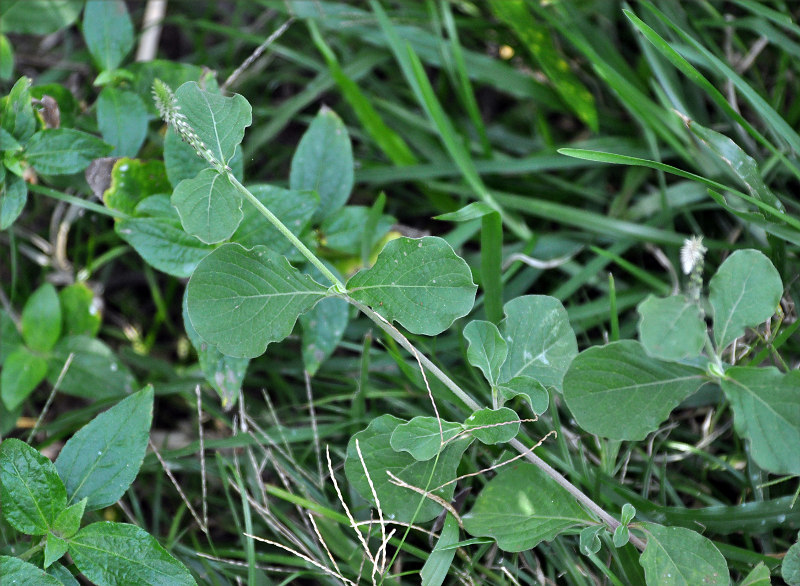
95,371
242,300
486,348
671,328
31,493
676,556
293,208
16,571
13,197
81,310
541,343
121,119
133,181
224,373
493,426
323,328
744,292
62,151
22,372
18,119
41,319
766,407
398,502
422,437
420,283
521,507
108,31
209,206
617,391
217,120
119,553
323,162
101,460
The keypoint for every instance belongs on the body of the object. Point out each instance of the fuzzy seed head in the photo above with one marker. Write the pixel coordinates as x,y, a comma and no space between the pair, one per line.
170,112
692,253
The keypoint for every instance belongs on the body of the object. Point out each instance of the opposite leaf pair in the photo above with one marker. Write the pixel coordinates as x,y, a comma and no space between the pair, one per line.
95,467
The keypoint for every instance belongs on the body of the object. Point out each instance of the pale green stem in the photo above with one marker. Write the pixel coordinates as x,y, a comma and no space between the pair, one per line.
296,242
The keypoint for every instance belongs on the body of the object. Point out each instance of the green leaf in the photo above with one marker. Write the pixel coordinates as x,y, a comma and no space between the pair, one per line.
132,181
323,328
420,283
224,373
399,503
521,507
62,151
219,121
108,32
209,206
62,574
121,119
530,388
181,160
343,230
118,553
8,143
95,372
41,319
242,300
744,292
628,513
160,239
422,437
617,391
31,493
22,372
493,426
760,576
13,197
16,571
101,460
675,556
80,310
437,566
18,119
323,162
621,536
293,208
6,58
486,348
766,407
68,521
50,15
163,244
10,337
538,39
541,343
671,328
790,569
590,542
54,548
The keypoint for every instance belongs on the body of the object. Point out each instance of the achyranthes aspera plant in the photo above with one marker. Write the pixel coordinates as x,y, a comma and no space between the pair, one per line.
242,297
